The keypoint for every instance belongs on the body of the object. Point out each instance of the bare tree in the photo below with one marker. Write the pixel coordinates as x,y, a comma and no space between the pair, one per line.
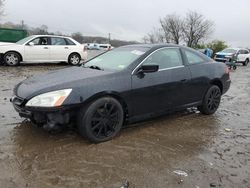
196,28
155,36
172,26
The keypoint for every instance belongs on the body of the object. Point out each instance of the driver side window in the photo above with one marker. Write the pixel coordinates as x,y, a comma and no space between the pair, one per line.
40,41
36,41
165,58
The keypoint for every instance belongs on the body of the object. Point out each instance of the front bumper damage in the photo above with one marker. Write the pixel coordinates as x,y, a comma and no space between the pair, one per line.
48,118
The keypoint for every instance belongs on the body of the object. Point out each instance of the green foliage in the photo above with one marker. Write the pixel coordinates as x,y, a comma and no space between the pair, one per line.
217,45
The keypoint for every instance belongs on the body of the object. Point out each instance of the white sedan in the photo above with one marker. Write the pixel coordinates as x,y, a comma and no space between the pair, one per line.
43,48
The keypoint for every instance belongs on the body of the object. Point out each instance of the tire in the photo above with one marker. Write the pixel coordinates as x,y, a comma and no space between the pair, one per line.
74,59
12,59
246,62
211,101
101,120
234,67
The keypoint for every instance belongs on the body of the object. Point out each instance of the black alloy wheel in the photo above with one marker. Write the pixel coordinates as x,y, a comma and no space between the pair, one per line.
102,120
211,100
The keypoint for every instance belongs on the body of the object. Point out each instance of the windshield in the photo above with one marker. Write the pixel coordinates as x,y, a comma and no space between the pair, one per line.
229,50
117,59
23,41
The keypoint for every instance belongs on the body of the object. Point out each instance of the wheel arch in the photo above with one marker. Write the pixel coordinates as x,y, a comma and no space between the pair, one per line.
218,83
74,53
15,52
113,94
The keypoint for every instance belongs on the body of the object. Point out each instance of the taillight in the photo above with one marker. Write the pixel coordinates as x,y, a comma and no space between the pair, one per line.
85,48
227,70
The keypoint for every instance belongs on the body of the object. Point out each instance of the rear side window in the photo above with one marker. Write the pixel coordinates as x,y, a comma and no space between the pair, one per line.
165,58
193,58
70,42
57,41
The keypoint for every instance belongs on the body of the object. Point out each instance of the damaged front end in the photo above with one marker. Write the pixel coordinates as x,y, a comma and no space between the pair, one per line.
51,119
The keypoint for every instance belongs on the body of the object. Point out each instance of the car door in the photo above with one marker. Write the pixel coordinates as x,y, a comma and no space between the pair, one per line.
242,56
59,49
161,90
199,69
37,50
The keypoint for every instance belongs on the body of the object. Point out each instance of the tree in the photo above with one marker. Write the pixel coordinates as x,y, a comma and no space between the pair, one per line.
172,26
78,37
217,45
155,36
42,30
196,28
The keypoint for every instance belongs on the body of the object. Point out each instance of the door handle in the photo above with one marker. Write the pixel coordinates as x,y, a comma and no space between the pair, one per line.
45,48
183,80
66,47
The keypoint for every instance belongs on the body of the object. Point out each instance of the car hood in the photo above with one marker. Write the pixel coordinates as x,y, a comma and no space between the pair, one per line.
56,80
6,43
224,54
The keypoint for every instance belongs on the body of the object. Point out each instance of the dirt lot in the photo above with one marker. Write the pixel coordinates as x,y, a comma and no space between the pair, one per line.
214,150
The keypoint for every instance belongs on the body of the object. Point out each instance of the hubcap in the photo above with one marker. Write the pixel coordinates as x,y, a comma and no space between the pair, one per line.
213,100
74,59
105,120
11,59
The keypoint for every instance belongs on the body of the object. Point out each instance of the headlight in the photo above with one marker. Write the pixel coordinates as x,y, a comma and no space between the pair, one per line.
50,99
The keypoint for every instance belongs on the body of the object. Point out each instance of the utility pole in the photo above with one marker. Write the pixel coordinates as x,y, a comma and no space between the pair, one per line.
22,23
109,38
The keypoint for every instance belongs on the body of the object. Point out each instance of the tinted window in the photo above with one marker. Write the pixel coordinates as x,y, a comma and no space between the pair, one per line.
165,58
70,42
193,58
57,41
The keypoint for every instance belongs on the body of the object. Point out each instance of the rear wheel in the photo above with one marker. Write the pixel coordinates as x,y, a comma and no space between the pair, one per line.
246,62
102,120
12,59
74,59
211,101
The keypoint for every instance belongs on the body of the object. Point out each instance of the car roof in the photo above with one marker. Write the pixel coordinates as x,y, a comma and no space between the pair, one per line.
154,45
51,36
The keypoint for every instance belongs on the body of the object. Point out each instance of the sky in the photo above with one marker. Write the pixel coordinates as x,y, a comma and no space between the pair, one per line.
131,19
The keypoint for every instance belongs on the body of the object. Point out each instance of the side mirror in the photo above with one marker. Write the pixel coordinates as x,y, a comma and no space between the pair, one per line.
31,44
148,68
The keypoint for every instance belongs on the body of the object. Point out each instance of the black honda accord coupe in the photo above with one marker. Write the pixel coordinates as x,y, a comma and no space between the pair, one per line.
121,86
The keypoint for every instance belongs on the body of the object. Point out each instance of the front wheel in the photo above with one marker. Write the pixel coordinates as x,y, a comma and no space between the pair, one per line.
101,120
211,101
74,59
12,59
246,62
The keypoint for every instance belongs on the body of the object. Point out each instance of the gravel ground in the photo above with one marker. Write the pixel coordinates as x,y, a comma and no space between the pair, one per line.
185,149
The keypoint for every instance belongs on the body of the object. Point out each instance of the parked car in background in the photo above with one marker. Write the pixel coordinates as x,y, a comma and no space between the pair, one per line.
121,86
43,48
239,55
93,46
105,46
